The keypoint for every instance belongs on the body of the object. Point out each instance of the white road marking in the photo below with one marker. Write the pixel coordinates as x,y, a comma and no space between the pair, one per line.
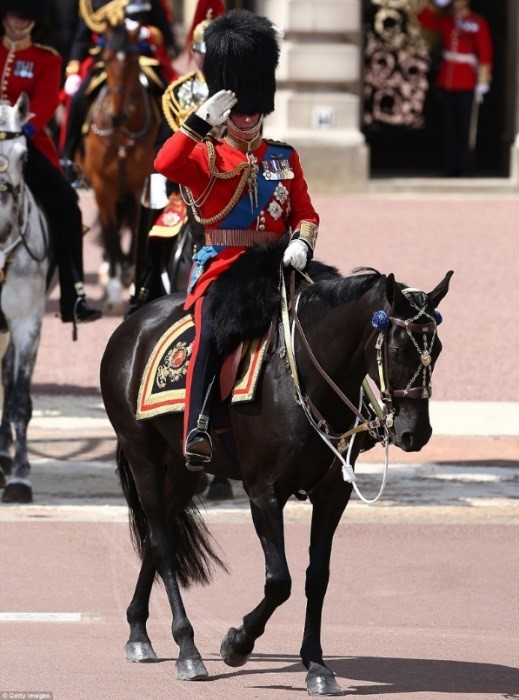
46,617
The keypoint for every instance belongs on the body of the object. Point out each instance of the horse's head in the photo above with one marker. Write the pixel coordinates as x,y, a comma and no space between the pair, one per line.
402,351
121,51
13,155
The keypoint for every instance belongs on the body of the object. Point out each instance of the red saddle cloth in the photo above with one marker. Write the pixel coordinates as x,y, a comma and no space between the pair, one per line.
163,383
171,220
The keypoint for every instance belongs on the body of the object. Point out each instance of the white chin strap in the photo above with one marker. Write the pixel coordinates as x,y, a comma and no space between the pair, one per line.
244,134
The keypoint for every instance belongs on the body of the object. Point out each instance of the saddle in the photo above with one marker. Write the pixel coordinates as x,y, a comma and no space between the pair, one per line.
163,384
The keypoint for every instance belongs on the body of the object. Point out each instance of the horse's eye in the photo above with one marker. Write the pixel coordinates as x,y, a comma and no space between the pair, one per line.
394,353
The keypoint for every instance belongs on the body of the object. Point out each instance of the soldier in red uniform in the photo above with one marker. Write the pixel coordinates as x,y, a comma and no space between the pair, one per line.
464,76
35,70
245,190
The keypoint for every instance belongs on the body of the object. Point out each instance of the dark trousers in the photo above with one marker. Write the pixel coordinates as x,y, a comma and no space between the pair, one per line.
76,115
456,113
204,364
60,203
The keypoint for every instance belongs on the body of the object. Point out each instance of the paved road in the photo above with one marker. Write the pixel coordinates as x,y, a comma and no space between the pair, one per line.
422,599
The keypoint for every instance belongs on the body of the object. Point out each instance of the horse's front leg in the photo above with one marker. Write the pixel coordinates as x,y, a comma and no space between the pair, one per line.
267,515
25,340
329,501
6,433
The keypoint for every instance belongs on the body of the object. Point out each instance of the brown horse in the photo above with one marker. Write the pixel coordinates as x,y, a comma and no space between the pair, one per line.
368,324
119,149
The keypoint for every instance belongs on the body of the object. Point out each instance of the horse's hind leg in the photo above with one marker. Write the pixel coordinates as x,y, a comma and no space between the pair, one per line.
328,506
267,515
147,495
138,647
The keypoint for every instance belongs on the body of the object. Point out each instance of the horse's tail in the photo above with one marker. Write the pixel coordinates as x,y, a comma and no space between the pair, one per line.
195,555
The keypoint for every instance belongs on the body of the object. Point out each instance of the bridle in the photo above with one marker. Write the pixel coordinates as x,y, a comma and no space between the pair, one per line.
382,322
116,90
6,184
380,425
22,207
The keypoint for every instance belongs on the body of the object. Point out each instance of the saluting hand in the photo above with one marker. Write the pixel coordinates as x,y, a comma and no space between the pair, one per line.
217,108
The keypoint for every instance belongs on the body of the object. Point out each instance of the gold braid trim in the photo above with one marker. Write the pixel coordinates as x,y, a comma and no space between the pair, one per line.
243,168
216,173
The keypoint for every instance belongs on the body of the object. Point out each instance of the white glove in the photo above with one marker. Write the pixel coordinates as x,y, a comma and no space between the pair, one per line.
296,254
217,108
481,91
72,84
144,34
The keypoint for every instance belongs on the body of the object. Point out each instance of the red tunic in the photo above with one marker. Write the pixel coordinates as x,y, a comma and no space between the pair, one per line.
467,44
36,70
185,160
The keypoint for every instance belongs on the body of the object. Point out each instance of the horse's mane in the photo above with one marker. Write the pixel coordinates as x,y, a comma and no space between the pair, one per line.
334,289
251,288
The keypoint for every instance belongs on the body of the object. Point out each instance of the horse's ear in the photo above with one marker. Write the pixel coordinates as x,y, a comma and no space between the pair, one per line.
390,288
22,107
440,290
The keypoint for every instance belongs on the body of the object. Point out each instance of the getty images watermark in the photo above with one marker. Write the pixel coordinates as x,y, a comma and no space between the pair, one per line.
25,695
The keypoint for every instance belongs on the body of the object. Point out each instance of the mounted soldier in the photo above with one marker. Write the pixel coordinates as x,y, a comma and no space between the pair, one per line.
245,190
35,70
85,70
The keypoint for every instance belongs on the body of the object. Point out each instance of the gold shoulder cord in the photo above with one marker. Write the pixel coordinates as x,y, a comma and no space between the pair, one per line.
244,168
174,112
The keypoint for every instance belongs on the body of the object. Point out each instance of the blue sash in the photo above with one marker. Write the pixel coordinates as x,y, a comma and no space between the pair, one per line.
242,216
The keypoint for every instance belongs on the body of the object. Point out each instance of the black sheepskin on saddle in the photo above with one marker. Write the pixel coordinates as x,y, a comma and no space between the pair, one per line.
242,302
245,299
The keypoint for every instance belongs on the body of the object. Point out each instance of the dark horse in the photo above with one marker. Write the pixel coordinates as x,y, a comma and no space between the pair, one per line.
277,446
119,150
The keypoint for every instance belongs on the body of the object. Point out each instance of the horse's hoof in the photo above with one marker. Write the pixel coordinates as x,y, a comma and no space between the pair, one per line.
227,652
6,463
219,491
140,652
191,670
321,681
16,492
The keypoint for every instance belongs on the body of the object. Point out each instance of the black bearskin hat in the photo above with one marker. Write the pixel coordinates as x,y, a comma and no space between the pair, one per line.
31,9
242,53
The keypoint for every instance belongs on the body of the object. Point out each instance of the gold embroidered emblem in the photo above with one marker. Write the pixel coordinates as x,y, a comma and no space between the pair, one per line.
175,364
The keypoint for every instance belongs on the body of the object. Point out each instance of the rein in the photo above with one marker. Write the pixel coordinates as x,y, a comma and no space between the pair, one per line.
381,322
315,419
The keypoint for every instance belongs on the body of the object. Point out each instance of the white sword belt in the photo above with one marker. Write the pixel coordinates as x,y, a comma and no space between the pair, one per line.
456,57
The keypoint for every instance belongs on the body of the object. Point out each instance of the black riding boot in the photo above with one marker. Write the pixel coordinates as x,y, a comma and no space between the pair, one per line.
148,259
77,114
60,203
198,449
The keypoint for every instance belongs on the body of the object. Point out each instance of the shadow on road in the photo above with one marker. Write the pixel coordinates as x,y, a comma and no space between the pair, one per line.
386,676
